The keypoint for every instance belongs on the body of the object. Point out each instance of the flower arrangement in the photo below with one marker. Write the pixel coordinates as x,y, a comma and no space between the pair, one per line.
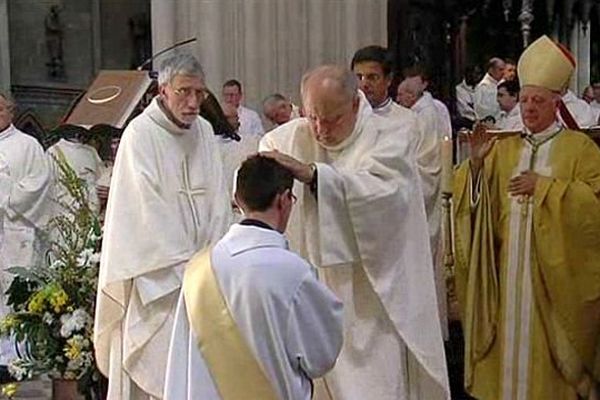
52,304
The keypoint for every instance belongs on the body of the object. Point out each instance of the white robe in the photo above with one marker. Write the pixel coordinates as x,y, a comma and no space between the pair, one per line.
167,201
25,201
465,101
367,233
234,153
434,126
405,123
86,163
291,322
510,121
584,114
250,123
403,119
486,98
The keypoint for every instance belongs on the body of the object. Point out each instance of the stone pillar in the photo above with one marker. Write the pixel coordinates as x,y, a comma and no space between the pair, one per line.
163,15
581,48
4,48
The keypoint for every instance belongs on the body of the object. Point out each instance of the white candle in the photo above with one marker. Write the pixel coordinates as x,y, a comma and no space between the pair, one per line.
447,165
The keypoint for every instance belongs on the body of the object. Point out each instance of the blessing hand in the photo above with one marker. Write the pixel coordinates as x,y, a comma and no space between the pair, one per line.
523,184
302,172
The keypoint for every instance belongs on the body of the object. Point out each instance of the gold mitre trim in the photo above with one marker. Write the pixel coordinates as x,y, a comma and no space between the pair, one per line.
547,64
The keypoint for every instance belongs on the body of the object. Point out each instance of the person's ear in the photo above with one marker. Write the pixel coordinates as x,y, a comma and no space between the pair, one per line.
162,89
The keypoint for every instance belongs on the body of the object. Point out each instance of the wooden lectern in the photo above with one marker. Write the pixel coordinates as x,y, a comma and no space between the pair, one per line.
114,98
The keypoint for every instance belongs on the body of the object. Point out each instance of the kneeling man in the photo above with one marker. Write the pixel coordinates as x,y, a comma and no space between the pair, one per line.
253,321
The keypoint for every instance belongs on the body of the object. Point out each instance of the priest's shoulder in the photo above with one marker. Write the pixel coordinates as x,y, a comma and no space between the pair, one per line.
26,139
576,138
287,129
286,261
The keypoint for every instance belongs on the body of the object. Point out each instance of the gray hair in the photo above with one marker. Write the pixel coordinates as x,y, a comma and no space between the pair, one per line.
9,100
343,77
179,64
272,98
412,85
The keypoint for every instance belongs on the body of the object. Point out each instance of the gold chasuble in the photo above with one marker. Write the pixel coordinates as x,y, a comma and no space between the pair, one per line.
528,269
233,367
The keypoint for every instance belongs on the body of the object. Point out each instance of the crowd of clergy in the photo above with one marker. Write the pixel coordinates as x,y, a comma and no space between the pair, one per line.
326,257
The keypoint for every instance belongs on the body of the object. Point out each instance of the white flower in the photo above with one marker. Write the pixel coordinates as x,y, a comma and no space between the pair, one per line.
95,258
17,370
84,257
48,318
73,322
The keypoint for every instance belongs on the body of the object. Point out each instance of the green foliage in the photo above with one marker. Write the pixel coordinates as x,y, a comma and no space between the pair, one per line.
53,303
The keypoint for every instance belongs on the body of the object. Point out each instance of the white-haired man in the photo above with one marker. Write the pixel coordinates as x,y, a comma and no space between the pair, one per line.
527,249
360,219
167,201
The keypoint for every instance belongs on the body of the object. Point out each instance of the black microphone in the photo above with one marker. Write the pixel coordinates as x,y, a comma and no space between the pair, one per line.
149,60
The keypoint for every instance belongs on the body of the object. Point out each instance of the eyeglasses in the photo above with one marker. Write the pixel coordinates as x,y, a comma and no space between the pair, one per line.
187,92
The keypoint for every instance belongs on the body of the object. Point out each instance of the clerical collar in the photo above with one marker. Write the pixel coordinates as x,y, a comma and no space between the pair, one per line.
170,115
383,105
257,223
543,136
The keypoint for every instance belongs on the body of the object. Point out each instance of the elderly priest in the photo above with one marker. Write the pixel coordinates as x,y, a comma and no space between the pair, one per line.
167,201
360,219
253,321
528,247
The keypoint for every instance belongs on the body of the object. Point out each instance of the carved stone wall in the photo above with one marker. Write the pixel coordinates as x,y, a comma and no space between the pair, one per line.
58,46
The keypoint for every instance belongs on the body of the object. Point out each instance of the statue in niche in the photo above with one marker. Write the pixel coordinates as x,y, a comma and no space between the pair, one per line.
54,42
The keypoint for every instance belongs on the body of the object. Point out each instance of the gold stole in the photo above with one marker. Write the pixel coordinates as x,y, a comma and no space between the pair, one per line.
232,365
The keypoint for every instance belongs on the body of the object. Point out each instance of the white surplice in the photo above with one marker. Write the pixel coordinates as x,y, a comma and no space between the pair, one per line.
86,163
465,101
167,201
419,126
366,230
510,121
584,114
250,122
26,202
291,322
485,98
234,153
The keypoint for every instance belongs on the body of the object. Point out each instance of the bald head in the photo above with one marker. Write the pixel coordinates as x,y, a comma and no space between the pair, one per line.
330,80
495,68
410,91
331,102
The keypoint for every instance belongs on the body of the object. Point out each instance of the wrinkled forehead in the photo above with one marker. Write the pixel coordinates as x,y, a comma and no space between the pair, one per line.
188,81
531,90
325,99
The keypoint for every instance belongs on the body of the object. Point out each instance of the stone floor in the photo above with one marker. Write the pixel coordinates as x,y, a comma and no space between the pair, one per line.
34,390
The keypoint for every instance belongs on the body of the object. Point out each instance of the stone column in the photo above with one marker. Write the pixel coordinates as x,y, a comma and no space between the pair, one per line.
4,47
580,42
163,15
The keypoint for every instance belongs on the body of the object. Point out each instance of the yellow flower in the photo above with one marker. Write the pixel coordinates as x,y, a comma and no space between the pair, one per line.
8,322
73,348
58,299
36,303
9,390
